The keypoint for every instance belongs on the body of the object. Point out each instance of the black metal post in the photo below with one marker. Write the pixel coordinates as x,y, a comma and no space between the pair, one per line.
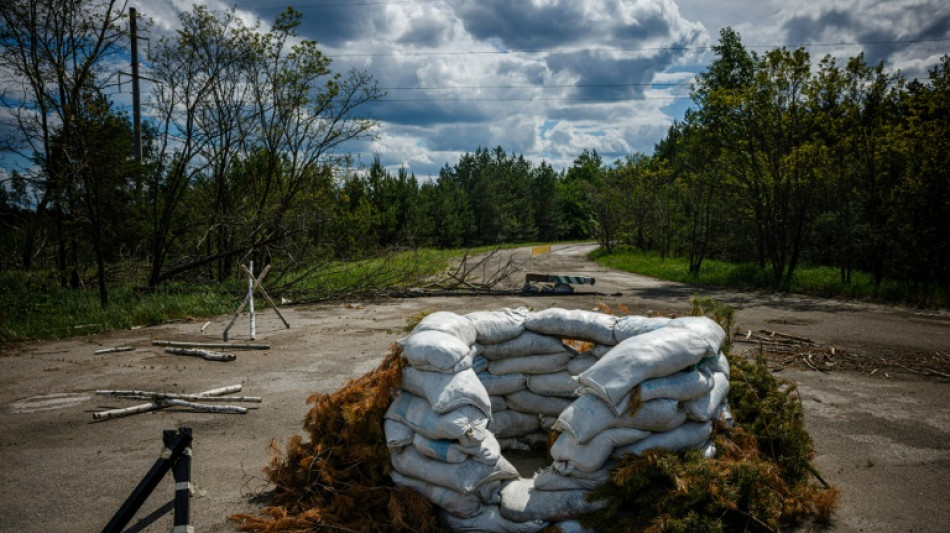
174,448
136,98
182,473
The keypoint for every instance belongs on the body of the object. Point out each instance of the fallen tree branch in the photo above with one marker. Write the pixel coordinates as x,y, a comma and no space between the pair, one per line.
156,396
115,349
224,345
773,333
228,409
151,406
204,354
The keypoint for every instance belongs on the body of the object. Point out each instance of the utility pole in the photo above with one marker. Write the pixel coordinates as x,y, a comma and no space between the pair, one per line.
136,99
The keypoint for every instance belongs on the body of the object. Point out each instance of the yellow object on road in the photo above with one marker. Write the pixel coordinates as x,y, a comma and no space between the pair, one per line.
538,250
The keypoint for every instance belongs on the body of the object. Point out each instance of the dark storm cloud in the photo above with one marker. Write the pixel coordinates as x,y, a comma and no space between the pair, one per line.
649,26
805,28
883,28
428,31
332,25
520,25
416,111
607,77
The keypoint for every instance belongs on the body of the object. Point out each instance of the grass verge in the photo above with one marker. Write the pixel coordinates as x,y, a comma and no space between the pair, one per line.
33,306
816,281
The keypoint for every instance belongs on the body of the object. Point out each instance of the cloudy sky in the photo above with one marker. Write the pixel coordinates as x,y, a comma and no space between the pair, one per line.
550,78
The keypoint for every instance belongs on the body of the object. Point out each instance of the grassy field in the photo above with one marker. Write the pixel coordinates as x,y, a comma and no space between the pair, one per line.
817,281
34,306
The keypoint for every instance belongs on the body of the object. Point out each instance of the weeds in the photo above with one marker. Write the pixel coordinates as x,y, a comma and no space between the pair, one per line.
338,479
34,306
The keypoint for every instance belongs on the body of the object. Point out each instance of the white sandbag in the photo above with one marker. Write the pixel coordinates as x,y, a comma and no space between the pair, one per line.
528,343
561,384
687,436
719,363
547,422
580,363
398,435
508,423
457,504
451,323
573,324
709,449
487,451
704,407
466,424
705,326
526,401
479,363
446,392
437,351
633,325
588,416
530,364
549,479
658,353
465,477
522,501
502,384
591,456
493,327
491,521
565,468
498,403
443,450
572,526
685,385
659,415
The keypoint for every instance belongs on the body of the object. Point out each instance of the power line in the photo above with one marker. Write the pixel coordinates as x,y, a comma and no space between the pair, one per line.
565,99
622,49
349,4
551,86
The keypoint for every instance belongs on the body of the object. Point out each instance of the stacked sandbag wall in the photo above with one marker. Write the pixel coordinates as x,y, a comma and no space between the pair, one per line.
489,381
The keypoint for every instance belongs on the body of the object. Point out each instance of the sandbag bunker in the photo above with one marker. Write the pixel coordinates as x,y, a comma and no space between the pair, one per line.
478,384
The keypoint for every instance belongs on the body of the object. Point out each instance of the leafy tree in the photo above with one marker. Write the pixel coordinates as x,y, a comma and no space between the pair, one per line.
919,203
53,55
271,99
589,207
104,177
548,218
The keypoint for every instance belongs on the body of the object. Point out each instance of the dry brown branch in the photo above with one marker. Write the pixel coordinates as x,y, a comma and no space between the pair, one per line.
478,273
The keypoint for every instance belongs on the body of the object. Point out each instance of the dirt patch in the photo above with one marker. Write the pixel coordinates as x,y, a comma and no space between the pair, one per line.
782,351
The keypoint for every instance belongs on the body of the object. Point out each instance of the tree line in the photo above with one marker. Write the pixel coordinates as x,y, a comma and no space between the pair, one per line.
779,161
782,162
